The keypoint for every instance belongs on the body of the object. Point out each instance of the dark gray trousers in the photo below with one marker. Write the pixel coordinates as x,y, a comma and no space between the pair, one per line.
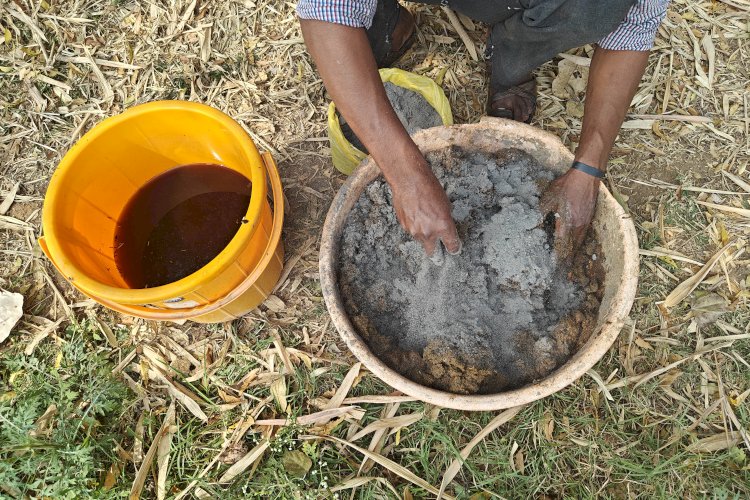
524,33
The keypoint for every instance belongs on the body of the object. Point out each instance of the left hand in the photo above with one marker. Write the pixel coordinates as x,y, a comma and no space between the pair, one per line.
572,198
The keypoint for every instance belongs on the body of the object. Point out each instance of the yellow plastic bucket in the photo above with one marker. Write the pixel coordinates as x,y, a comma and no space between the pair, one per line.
345,155
109,164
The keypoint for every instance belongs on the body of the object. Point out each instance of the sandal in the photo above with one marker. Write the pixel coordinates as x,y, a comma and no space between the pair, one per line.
514,103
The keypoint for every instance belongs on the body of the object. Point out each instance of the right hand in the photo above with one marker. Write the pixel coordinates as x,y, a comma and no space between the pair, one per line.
424,211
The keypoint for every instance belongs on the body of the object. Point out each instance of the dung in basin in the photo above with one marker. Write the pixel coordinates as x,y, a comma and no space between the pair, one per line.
591,331
502,313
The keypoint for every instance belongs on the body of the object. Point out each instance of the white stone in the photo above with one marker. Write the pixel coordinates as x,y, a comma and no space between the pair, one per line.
11,310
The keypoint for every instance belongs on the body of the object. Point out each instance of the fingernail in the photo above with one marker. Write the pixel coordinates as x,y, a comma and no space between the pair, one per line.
460,247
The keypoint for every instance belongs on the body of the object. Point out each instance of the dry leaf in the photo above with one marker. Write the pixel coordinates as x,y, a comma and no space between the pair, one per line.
643,344
598,379
717,442
548,426
354,482
518,462
377,441
344,388
432,412
41,335
583,62
708,308
393,423
466,21
43,425
111,478
296,463
708,46
181,394
642,379
274,303
319,418
638,124
465,38
9,199
513,450
583,442
388,464
162,455
482,495
725,208
565,70
574,108
108,333
455,466
278,391
245,462
737,180
686,287
288,366
138,440
228,398
142,474
670,377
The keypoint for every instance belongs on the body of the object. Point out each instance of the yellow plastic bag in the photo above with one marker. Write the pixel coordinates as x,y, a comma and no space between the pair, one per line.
345,156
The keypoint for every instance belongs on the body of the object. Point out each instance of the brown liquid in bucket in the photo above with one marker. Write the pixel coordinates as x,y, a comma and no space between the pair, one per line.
178,222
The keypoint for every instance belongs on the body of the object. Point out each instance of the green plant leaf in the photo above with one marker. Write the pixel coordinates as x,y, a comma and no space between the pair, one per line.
296,463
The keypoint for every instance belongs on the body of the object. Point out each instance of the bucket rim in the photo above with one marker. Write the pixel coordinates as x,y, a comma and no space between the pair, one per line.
224,259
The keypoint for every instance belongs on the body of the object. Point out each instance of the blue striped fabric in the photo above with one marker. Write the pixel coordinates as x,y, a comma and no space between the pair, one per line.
636,32
354,13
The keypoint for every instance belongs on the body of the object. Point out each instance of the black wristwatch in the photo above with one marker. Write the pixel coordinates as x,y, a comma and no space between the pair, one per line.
588,169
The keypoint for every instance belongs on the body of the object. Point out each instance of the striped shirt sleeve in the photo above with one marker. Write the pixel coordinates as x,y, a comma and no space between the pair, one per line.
353,13
638,30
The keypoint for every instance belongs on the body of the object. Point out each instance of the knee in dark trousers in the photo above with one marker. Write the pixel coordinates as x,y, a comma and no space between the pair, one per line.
545,28
525,33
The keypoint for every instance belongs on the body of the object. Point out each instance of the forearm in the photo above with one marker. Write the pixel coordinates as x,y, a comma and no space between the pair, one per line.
613,80
346,64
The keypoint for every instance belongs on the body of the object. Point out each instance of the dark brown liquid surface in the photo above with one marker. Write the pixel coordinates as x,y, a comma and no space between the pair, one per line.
178,222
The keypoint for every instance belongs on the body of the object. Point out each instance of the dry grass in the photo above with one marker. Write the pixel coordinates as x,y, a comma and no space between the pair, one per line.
664,413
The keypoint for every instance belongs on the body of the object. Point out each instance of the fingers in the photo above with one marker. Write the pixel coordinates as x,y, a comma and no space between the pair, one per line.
438,255
451,240
548,203
579,234
563,238
436,247
428,244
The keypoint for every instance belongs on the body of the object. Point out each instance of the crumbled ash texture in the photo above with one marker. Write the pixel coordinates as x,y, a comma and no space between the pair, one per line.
411,108
498,316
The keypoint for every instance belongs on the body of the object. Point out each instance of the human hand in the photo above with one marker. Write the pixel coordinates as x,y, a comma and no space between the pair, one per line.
424,211
572,198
